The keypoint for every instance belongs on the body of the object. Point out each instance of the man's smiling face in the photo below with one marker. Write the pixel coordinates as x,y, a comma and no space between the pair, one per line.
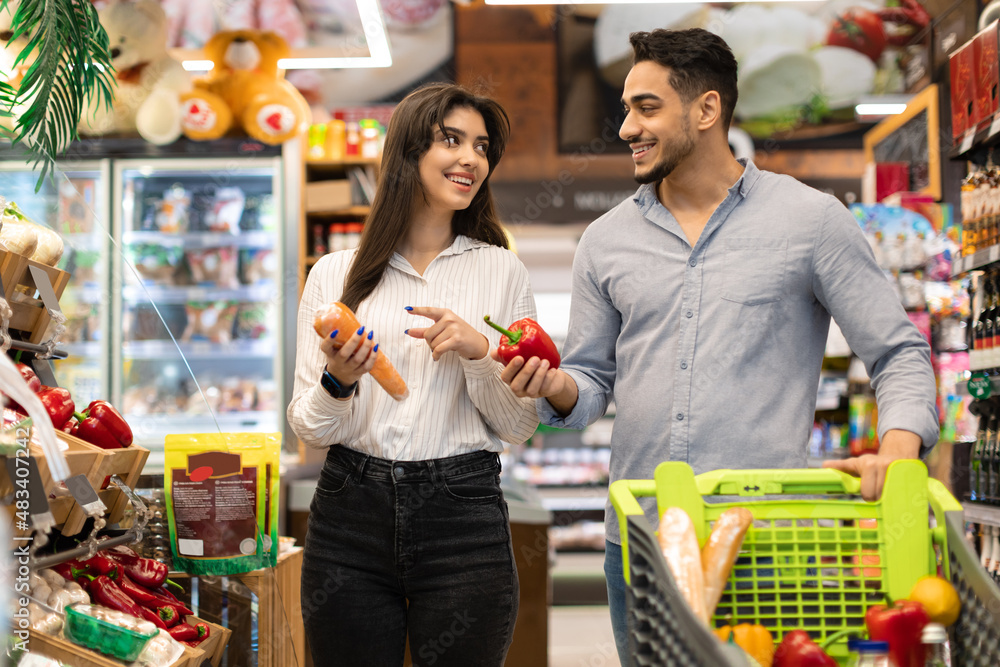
657,123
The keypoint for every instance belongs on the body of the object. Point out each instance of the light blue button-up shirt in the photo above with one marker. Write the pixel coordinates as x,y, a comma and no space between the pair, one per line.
712,354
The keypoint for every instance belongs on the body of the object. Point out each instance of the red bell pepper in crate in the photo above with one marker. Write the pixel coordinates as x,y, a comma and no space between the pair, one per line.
144,571
58,404
102,425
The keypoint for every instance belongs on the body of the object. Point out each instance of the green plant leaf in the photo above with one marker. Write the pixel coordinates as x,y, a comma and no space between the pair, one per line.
70,60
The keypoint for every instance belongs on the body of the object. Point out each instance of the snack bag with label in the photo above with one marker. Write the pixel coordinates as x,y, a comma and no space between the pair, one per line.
221,494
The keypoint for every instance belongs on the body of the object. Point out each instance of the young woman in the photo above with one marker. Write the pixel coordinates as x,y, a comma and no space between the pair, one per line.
408,530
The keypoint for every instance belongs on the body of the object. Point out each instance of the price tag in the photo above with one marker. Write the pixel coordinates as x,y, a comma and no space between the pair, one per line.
85,495
979,386
995,126
967,141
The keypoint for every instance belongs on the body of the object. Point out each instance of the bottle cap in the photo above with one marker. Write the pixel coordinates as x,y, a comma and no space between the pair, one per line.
867,646
934,633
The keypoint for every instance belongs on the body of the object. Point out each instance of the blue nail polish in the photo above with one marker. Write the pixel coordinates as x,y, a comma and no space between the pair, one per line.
361,331
406,332
408,308
375,349
370,334
335,332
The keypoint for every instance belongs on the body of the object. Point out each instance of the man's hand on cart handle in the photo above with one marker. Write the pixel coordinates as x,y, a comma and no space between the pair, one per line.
897,444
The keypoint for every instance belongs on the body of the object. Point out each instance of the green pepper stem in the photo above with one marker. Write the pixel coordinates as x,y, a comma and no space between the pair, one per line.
514,336
79,416
837,635
174,583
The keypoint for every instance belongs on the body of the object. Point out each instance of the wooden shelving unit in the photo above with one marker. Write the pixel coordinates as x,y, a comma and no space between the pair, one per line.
328,199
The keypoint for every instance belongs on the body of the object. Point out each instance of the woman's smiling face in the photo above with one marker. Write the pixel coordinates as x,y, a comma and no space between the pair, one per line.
454,167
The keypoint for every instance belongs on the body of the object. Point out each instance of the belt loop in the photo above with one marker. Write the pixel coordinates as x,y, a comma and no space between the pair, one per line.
437,479
359,471
499,465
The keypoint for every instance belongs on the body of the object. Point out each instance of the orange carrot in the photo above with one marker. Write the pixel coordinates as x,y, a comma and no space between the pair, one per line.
340,318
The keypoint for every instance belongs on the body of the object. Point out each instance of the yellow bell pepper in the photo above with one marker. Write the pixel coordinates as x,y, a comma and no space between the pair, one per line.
756,640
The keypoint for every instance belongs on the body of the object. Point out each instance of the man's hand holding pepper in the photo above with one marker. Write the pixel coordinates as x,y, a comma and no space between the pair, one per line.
535,378
871,468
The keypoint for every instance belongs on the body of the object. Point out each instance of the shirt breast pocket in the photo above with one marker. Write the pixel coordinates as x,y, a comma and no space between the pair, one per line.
755,270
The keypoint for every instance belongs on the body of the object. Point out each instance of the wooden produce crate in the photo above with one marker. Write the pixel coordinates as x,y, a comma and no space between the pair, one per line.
214,647
62,649
280,633
127,463
30,315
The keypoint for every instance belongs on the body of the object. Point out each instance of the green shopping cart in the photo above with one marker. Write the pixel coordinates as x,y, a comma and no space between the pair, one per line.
815,558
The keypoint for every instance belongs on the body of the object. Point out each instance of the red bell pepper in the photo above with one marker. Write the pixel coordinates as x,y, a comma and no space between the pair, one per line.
102,425
152,617
525,339
105,592
30,377
797,649
190,633
111,419
173,598
100,564
901,625
58,403
144,571
166,611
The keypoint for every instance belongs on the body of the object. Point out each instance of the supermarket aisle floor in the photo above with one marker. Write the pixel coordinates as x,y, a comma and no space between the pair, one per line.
580,636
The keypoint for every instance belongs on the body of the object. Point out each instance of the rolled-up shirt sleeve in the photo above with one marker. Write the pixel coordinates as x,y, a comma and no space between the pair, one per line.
589,353
857,294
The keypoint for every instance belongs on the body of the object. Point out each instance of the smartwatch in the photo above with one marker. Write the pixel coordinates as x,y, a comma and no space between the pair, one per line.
334,388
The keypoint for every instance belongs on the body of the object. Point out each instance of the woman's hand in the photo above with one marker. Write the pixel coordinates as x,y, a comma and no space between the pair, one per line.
354,358
449,333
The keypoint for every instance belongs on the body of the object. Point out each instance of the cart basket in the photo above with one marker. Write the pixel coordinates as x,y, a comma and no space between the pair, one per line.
815,558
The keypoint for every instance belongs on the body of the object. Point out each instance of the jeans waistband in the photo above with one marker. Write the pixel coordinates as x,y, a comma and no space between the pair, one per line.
365,465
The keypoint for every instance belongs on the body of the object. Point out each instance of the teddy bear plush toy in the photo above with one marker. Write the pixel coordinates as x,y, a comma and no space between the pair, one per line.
148,82
245,90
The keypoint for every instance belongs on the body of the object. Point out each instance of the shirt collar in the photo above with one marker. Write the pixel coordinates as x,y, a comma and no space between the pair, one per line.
458,246
645,197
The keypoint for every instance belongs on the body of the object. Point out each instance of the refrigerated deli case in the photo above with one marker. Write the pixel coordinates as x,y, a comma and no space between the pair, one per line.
178,307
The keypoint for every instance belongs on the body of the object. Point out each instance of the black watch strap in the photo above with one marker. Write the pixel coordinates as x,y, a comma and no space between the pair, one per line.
334,388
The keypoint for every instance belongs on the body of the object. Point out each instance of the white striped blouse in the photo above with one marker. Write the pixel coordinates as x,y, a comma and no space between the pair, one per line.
455,405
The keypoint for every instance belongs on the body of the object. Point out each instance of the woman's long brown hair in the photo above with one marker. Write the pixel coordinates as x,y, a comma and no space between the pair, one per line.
409,136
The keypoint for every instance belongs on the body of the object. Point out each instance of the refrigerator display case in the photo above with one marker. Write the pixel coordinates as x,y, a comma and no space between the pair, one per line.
198,295
184,274
74,204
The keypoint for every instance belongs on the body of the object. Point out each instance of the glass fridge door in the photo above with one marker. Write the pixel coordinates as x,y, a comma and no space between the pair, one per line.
74,204
198,299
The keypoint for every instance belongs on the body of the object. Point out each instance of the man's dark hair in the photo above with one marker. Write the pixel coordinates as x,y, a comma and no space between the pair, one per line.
699,61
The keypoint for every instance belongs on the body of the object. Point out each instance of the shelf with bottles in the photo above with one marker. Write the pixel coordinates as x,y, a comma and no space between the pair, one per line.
980,204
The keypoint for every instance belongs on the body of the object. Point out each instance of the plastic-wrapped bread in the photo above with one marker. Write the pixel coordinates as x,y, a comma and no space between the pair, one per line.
18,234
720,552
679,544
50,247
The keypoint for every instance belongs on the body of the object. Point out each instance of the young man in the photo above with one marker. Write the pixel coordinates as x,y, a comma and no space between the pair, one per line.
702,304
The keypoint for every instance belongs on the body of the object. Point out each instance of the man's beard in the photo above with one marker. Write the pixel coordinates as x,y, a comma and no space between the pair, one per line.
674,153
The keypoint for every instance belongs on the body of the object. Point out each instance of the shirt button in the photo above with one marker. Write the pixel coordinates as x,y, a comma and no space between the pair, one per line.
680,416
684,364
689,314
398,471
693,262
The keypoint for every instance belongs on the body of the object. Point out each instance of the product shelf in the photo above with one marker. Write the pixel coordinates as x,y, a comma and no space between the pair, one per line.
974,145
251,239
978,260
166,349
139,294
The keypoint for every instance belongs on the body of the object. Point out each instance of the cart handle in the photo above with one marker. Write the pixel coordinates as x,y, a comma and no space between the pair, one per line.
623,498
796,481
941,501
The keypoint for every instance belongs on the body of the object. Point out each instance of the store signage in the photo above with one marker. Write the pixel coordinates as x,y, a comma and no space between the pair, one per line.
561,199
980,387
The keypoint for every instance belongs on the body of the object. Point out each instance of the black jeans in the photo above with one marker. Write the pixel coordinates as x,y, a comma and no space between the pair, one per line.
409,548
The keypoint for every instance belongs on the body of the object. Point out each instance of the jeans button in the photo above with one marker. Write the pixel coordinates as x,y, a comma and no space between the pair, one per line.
399,471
